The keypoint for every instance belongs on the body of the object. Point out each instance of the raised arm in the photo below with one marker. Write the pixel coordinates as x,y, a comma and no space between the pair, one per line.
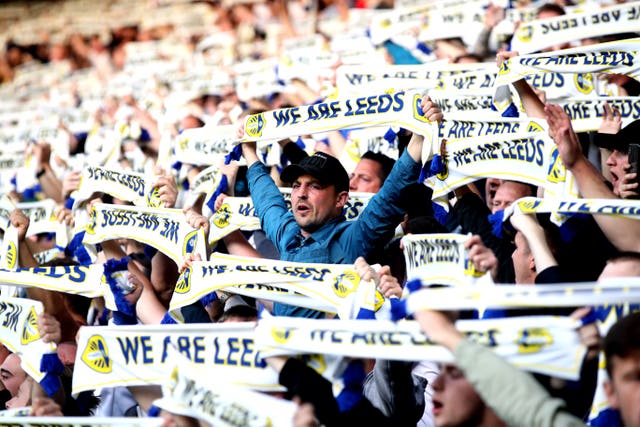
623,233
515,396
531,103
534,234
383,213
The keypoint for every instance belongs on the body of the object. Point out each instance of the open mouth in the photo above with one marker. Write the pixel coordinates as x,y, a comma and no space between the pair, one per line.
437,407
302,208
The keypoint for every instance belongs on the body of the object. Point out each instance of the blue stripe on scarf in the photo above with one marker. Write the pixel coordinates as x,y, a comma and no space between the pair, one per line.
352,378
113,266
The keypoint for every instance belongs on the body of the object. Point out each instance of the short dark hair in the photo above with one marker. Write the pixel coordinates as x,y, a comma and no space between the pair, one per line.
144,261
472,56
551,7
623,339
386,163
242,311
625,256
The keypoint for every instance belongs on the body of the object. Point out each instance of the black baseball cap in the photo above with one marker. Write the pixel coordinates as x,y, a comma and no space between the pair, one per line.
620,141
323,167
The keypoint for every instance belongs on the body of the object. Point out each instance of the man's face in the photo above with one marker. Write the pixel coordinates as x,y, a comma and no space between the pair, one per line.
23,397
455,402
314,204
365,177
507,193
490,189
623,389
617,162
521,258
12,374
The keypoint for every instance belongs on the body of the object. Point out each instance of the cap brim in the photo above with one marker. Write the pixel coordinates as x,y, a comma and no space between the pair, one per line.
610,142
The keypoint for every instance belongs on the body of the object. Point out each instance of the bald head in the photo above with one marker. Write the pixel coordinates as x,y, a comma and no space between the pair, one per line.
507,193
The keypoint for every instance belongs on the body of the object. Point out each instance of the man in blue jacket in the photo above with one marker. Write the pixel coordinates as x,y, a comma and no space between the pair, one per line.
315,230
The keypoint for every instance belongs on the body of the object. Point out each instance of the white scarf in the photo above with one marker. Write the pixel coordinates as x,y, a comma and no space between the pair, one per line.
304,64
349,77
478,101
586,113
458,20
373,139
74,279
165,229
441,259
562,208
559,86
238,213
205,145
256,78
527,157
85,280
282,295
6,207
539,296
536,35
618,57
186,392
28,421
137,355
42,219
543,344
24,411
390,23
435,21
125,185
19,333
451,129
48,255
9,249
398,109
206,180
335,285
473,80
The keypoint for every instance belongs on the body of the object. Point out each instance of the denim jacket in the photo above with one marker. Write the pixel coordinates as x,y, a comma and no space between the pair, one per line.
338,241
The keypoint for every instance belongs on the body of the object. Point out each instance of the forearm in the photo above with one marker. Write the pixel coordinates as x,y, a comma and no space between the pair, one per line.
268,201
164,275
51,186
145,395
539,249
623,233
336,143
149,309
415,147
383,213
237,245
250,155
530,101
25,256
514,395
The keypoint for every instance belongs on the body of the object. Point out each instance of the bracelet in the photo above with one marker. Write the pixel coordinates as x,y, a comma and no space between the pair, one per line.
40,173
